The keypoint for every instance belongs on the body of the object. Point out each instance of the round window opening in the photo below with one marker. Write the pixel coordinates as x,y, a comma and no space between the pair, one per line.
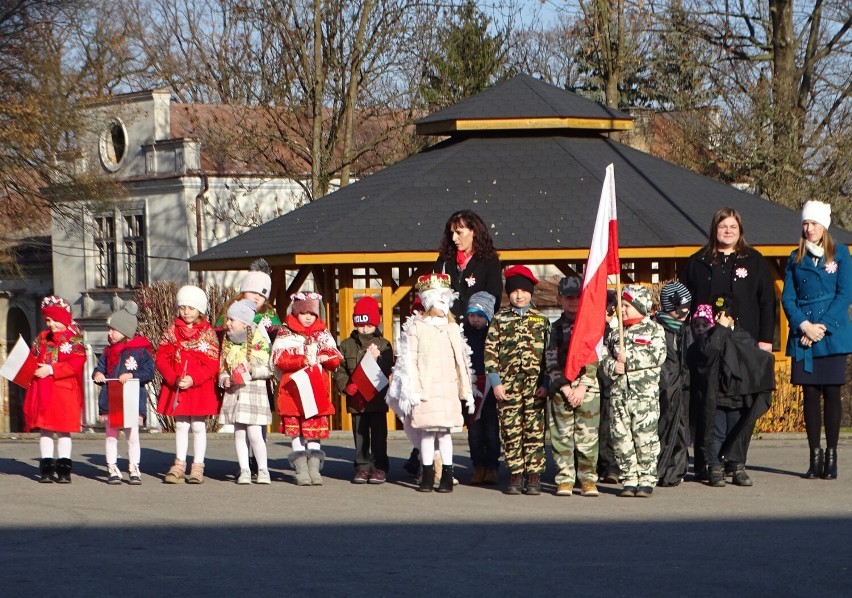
113,145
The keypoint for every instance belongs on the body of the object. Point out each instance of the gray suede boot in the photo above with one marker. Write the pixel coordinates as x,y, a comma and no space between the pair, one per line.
299,462
315,460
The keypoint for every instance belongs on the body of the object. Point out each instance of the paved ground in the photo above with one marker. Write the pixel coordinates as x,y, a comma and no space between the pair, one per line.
783,537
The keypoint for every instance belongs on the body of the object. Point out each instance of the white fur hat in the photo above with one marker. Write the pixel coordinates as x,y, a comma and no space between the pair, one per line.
817,211
192,296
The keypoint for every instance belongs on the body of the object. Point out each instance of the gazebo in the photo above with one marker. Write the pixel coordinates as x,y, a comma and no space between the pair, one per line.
530,159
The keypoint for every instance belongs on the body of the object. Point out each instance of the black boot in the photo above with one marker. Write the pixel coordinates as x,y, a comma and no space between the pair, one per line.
829,468
412,466
47,470
717,477
446,484
63,471
815,469
428,479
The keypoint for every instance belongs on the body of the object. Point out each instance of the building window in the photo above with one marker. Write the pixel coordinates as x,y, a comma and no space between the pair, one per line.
125,268
105,246
134,247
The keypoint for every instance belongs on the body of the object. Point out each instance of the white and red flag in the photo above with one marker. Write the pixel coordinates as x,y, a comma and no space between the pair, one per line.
586,345
123,403
369,378
20,364
307,385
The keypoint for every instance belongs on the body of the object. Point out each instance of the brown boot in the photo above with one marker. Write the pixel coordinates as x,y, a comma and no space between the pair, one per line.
176,473
196,474
478,477
490,477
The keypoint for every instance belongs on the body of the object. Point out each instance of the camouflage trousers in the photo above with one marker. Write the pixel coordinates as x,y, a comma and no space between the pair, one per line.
522,432
575,429
634,436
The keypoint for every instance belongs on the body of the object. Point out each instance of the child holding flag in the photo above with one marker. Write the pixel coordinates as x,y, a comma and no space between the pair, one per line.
54,398
634,366
188,360
302,350
365,385
243,371
126,357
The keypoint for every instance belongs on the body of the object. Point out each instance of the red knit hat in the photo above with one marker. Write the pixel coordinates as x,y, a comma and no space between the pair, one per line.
366,312
57,309
519,277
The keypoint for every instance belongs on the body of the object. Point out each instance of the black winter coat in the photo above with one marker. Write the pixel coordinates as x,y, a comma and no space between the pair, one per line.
477,276
750,284
673,425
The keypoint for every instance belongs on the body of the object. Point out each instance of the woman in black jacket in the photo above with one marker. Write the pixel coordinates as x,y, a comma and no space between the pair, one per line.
468,256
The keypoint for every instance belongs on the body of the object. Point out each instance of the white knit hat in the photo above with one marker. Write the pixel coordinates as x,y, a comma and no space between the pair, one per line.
817,211
192,296
258,279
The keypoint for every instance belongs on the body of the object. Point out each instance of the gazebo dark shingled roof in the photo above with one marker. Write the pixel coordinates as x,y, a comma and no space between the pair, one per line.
534,189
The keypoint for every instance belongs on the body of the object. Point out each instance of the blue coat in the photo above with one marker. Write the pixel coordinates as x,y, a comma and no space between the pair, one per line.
141,366
820,294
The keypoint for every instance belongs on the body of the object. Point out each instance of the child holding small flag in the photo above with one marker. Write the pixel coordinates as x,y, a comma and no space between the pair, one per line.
302,350
126,357
483,429
188,360
243,371
635,371
54,398
365,395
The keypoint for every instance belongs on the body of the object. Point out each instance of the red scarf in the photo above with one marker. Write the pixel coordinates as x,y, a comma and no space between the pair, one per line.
632,321
462,259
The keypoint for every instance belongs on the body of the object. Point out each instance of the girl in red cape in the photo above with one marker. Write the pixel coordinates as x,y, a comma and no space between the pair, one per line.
303,342
54,399
188,360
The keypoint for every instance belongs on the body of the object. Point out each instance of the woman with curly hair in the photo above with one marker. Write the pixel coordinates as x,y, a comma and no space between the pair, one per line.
468,256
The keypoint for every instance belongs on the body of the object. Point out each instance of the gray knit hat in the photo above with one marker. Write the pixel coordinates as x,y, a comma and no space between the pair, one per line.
674,295
125,320
482,303
243,311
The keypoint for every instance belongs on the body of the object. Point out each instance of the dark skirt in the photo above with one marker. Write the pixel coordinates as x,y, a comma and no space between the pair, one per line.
828,371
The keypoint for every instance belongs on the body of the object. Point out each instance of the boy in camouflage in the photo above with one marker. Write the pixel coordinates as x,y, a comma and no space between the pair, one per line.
574,404
635,371
514,364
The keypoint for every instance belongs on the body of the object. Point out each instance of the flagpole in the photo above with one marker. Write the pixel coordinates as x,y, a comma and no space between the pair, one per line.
618,311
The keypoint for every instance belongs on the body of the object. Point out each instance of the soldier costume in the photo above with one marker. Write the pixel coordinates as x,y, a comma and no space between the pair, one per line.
636,395
572,427
514,357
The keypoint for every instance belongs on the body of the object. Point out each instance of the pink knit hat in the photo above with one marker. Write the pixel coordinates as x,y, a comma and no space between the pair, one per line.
306,303
704,311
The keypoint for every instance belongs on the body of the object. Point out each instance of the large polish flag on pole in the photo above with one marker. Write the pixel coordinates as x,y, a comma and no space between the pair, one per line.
123,402
586,344
20,364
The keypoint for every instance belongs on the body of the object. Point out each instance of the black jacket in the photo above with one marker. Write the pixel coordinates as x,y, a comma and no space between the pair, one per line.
750,284
477,276
673,425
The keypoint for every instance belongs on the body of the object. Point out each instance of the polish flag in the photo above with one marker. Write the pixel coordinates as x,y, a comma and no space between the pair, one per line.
369,378
20,364
480,392
308,387
586,345
123,403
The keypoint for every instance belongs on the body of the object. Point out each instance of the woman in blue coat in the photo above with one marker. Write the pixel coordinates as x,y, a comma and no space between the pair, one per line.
816,298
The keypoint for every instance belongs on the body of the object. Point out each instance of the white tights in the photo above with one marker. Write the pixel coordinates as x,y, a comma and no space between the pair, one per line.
198,424
427,447
45,444
134,449
245,434
298,444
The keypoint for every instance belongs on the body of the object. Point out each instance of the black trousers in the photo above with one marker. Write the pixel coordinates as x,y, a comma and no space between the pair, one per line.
370,431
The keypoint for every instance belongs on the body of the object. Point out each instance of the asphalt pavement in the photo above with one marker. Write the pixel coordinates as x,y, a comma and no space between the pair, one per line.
784,536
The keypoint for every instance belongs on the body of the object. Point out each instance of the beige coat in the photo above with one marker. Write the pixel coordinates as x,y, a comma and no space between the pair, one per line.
440,373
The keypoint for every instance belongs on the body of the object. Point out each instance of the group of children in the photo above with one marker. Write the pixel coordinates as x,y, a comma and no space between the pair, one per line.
501,373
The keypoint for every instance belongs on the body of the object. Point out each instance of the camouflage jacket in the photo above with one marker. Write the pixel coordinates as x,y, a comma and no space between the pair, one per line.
645,350
514,348
557,355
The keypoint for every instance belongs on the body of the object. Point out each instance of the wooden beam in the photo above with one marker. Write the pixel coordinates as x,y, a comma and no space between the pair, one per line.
444,127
